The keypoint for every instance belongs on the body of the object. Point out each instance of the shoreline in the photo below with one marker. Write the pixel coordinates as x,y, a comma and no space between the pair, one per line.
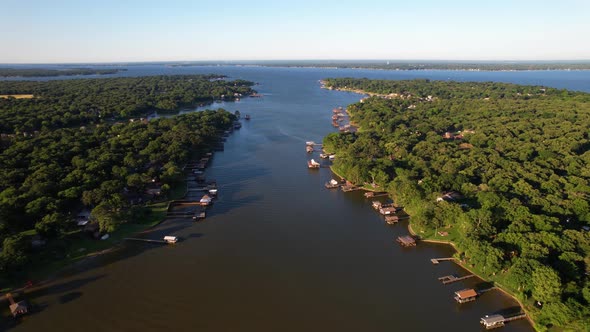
463,266
53,274
498,286
446,242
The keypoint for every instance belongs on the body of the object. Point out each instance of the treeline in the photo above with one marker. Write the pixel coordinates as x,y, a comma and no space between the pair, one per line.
41,72
502,168
403,65
474,66
47,179
81,102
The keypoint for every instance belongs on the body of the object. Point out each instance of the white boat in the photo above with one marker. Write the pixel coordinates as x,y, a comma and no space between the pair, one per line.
332,157
205,200
310,143
213,192
333,182
313,164
170,239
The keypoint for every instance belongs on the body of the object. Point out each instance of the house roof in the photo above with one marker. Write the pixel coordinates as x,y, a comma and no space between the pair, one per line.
466,293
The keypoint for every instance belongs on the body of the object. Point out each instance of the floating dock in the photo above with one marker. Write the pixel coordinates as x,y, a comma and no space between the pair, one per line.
453,278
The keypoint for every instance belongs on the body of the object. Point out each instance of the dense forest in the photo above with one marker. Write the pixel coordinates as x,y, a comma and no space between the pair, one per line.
502,169
68,103
109,169
43,72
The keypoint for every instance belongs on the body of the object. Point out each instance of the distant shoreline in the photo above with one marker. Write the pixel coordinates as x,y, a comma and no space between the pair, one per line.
458,68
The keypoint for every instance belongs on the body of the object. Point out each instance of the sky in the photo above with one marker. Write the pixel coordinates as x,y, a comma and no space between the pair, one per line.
58,31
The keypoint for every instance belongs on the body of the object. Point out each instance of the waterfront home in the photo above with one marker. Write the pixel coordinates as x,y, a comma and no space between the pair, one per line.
82,218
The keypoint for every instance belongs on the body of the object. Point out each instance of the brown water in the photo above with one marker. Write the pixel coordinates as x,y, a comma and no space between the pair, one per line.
277,252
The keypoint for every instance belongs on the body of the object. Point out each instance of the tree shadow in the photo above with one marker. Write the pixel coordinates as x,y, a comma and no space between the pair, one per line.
69,288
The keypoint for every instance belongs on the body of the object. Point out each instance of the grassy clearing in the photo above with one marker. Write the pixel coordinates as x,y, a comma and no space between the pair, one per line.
17,96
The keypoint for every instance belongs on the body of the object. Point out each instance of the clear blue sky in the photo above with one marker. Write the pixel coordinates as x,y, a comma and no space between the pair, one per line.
44,31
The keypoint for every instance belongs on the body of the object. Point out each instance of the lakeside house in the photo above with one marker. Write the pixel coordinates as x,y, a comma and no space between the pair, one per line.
449,196
83,217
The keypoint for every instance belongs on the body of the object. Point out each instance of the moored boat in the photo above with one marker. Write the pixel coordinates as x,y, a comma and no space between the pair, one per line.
206,200
313,164
332,184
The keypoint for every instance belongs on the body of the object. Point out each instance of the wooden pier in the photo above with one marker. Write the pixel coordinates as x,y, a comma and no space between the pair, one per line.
435,261
453,278
145,240
348,188
372,194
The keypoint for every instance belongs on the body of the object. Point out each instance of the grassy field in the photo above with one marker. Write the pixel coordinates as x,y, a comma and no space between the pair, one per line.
17,96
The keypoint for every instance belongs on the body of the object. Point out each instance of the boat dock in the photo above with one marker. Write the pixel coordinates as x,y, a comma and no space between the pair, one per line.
435,261
371,194
453,278
348,188
406,241
145,240
495,321
168,239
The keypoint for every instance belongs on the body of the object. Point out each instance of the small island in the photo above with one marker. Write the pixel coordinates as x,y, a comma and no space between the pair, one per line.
43,72
498,170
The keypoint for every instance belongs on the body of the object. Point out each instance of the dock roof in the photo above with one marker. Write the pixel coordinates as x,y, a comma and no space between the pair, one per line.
406,240
466,293
492,319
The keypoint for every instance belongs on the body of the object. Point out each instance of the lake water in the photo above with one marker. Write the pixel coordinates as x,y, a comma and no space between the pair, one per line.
278,252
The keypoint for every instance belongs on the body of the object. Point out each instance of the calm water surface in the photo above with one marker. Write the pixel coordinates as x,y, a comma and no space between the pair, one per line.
277,252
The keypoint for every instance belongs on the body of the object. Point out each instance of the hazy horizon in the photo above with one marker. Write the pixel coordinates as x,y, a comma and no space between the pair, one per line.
310,61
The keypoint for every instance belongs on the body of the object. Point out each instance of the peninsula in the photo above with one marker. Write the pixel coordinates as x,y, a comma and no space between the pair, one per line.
498,170
80,157
44,72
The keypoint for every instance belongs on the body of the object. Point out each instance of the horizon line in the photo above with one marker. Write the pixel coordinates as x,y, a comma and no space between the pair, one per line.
482,61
